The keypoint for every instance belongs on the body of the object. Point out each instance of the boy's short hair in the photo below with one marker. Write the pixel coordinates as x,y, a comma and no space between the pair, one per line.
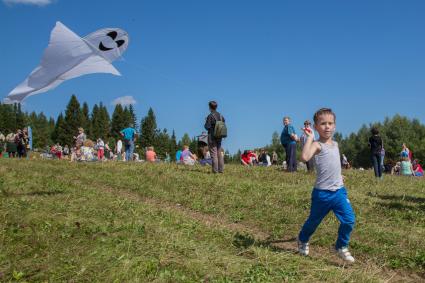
213,105
374,131
287,117
323,111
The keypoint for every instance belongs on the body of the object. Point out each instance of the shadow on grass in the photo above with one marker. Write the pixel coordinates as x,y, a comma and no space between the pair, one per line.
399,198
35,193
402,207
245,241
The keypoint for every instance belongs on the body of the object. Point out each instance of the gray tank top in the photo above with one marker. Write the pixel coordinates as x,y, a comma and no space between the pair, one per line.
328,168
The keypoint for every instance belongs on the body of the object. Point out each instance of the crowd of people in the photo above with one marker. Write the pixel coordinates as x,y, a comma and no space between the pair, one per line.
15,144
84,149
210,151
407,166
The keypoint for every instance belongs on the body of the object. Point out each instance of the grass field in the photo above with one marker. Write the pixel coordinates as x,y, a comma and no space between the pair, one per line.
117,222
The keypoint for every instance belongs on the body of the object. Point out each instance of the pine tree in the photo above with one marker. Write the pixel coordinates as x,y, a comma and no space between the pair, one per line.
85,120
7,119
148,130
100,122
59,133
19,116
185,140
94,121
118,121
162,143
73,119
133,117
193,146
173,146
104,122
40,130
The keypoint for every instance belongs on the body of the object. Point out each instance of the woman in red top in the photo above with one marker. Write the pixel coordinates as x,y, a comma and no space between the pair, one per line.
419,172
248,157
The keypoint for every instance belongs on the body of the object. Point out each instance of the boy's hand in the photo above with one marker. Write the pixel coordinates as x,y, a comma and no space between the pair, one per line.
308,132
343,178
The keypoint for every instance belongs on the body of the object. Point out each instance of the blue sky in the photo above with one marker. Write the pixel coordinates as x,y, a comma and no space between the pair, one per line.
260,60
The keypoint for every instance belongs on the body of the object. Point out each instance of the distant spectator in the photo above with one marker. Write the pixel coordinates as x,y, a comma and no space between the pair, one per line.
417,168
21,140
65,151
100,145
289,139
2,143
274,158
150,154
406,167
59,150
405,152
396,169
118,149
344,162
206,158
178,156
129,135
167,158
187,157
108,152
11,147
376,146
80,138
214,142
264,158
248,158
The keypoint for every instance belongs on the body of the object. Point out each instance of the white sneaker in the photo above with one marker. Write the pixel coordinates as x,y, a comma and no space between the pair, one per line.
345,254
303,248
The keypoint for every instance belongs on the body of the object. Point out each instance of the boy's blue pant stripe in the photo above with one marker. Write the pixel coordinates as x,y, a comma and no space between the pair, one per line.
323,201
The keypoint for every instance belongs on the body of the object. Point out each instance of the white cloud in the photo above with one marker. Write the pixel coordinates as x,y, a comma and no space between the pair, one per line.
124,100
28,2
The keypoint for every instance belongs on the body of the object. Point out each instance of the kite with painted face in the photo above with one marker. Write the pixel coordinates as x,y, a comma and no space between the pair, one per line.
69,56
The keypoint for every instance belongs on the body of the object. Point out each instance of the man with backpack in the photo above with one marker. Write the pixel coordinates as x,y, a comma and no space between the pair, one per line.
217,130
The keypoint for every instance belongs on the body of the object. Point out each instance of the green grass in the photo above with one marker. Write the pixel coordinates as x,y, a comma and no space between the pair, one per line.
117,222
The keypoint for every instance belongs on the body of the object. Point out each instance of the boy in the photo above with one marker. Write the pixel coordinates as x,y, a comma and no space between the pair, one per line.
329,192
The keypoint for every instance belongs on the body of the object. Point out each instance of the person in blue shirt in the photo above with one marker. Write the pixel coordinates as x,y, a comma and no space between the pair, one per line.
289,139
178,155
129,135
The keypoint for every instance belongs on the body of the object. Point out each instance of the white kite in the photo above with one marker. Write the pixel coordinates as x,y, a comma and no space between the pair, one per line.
69,56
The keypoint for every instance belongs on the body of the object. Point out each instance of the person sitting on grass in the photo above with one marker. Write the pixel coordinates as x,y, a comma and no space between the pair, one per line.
395,170
417,168
264,158
329,192
150,155
247,158
406,167
187,157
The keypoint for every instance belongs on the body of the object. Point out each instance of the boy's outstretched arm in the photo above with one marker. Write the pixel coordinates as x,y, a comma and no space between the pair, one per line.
310,147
